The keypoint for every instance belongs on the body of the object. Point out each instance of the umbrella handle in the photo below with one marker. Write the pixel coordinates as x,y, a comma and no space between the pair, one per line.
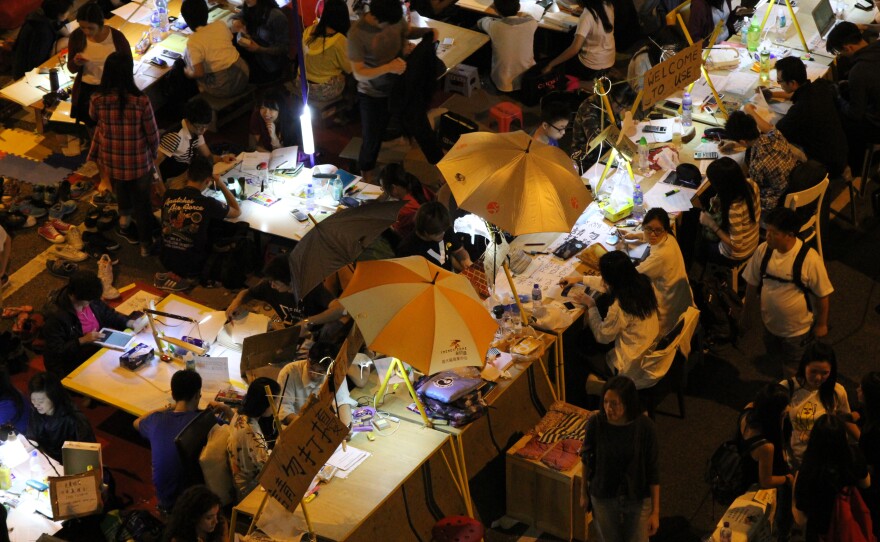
315,222
522,312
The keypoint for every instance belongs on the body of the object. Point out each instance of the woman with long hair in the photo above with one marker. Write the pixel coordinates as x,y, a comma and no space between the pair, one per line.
55,419
253,433
14,410
762,438
263,39
815,391
401,185
325,52
89,47
737,206
272,123
621,468
125,148
869,440
593,42
196,517
830,465
631,322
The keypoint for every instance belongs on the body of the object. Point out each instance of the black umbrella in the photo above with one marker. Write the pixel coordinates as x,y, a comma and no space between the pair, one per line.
337,241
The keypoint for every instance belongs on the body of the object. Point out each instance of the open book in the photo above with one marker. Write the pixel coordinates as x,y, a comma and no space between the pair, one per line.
283,157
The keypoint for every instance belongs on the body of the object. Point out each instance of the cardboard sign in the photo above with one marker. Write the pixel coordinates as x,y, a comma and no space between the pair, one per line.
672,74
75,496
302,449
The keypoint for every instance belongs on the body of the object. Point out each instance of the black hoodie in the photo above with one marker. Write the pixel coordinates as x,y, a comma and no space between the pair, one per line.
864,86
35,43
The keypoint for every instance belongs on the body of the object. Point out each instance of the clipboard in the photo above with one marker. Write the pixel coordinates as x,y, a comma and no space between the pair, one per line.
75,496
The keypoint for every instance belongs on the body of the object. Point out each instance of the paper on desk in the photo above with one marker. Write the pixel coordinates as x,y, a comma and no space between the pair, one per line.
675,203
210,325
13,454
22,93
134,12
62,113
741,83
346,459
761,107
174,42
251,324
530,7
653,137
279,524
137,302
214,372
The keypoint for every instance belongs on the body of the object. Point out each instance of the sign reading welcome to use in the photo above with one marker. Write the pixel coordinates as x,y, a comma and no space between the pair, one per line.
672,74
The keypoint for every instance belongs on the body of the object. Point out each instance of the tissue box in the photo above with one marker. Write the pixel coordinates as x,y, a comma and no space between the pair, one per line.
136,356
613,214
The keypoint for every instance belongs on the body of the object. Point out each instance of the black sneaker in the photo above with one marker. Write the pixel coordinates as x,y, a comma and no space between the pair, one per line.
61,268
96,251
107,220
91,221
130,234
95,238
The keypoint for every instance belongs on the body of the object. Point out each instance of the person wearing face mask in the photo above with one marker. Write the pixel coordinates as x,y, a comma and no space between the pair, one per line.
272,123
621,468
88,48
54,419
74,321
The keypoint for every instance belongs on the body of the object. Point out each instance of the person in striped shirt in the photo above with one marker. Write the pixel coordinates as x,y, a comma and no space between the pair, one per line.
737,207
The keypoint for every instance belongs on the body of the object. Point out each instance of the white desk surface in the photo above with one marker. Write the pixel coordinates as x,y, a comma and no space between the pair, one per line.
149,387
23,522
345,503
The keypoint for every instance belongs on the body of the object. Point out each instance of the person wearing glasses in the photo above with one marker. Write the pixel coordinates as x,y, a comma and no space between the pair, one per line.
302,378
554,123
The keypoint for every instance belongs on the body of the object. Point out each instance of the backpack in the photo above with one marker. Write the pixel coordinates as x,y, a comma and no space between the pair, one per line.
724,471
797,269
850,519
720,309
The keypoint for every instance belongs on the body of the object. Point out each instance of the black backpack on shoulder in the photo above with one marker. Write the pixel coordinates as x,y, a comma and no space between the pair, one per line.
720,309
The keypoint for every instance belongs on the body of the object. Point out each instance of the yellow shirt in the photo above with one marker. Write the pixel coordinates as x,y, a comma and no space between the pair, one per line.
325,57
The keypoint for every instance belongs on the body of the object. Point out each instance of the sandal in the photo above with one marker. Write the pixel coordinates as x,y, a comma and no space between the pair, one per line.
12,312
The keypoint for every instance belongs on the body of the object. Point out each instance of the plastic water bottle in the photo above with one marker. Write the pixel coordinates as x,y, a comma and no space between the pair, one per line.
189,362
155,26
753,38
676,133
537,296
744,30
162,8
726,534
336,188
36,469
687,106
781,21
644,164
638,203
310,191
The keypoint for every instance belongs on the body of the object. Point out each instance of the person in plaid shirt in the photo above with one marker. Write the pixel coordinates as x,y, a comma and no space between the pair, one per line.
125,147
770,157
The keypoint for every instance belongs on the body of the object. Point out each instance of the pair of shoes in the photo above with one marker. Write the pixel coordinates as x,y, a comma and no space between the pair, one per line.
170,282
97,239
58,224
105,273
62,209
62,269
103,198
79,189
129,233
96,252
49,233
50,195
107,219
29,208
74,238
68,253
38,194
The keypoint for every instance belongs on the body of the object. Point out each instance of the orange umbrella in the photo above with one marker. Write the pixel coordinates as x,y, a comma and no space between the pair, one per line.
415,311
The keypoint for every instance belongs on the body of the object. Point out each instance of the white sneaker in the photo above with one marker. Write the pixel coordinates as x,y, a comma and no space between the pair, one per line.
66,252
105,273
74,238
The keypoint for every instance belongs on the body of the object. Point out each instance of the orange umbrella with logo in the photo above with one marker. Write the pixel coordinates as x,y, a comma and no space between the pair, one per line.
415,311
514,182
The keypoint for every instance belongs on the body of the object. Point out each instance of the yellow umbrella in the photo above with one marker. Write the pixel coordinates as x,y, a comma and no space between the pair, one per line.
518,184
415,311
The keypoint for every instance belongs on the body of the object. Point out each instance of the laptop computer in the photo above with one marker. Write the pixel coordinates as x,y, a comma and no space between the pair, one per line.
823,16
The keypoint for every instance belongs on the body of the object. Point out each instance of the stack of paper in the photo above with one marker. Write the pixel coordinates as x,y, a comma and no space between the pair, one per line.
346,460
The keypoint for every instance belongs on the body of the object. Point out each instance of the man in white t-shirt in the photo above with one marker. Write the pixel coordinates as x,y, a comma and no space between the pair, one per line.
513,41
790,323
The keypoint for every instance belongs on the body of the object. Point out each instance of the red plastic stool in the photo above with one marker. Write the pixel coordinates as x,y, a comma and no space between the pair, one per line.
504,113
458,529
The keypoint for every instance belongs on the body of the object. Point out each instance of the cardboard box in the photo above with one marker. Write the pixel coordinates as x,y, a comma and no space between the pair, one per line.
80,457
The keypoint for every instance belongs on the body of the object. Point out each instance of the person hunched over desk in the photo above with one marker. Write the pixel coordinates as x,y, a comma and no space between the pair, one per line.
55,419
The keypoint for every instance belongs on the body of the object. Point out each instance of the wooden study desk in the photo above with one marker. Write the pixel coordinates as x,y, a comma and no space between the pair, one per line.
149,387
465,42
355,508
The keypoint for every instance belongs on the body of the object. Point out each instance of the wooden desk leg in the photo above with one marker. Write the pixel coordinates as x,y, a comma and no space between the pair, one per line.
232,521
38,120
540,362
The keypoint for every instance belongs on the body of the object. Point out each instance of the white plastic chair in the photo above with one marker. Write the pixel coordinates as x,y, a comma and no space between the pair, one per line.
797,200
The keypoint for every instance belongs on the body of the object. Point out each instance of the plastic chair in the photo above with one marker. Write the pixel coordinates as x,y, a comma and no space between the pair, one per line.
463,79
859,191
504,113
457,529
813,197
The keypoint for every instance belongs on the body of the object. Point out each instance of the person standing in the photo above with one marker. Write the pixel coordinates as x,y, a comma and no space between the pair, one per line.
125,147
621,468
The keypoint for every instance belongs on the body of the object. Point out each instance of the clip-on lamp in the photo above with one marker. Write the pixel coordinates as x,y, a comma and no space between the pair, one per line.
163,343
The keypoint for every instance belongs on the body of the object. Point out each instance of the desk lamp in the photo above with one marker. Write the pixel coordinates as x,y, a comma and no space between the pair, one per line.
163,342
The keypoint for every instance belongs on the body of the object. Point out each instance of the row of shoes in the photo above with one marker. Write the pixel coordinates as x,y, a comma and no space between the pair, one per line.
65,268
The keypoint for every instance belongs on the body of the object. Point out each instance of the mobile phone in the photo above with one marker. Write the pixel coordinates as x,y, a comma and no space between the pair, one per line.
651,129
172,54
705,155
864,7
568,305
299,215
156,61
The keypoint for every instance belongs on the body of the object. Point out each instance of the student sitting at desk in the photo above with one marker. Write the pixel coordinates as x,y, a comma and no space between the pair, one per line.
769,156
813,122
401,185
325,53
593,43
272,123
732,224
74,320
211,59
252,434
513,43
36,39
55,419
188,218
263,38
434,239
302,378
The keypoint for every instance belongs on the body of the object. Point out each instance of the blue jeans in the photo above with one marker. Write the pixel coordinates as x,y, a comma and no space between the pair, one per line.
621,519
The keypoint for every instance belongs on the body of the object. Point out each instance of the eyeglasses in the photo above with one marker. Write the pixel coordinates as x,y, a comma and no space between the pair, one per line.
558,129
654,231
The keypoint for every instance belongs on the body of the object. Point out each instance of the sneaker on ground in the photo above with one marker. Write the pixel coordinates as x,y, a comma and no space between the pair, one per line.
38,193
103,198
50,194
74,238
129,234
107,219
105,273
68,253
171,283
49,233
56,211
29,222
97,239
96,252
61,268
68,207
79,188
59,225
29,208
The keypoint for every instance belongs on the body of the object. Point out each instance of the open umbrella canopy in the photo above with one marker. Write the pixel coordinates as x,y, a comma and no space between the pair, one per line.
518,184
337,241
415,311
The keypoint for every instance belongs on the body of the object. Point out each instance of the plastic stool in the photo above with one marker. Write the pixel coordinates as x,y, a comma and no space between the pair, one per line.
463,79
457,529
504,113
